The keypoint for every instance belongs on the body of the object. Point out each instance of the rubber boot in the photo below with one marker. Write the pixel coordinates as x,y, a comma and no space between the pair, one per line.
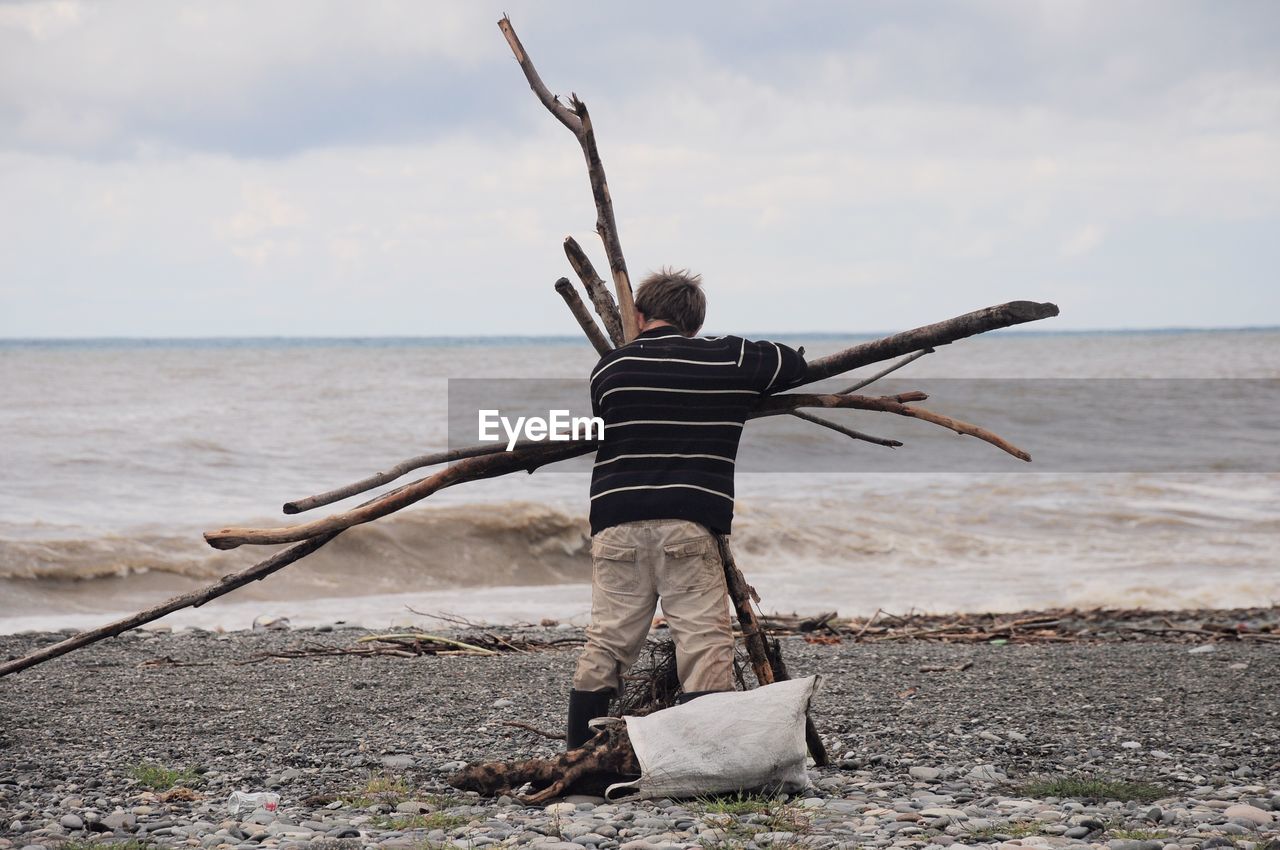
585,706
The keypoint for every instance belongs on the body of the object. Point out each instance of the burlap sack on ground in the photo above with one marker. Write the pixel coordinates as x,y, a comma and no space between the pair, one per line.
733,741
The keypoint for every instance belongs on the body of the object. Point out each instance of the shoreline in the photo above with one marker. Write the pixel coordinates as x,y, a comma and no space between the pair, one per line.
355,744
1261,623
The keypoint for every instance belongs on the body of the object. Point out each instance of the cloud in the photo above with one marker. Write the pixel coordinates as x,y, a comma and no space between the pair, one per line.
383,169
1081,241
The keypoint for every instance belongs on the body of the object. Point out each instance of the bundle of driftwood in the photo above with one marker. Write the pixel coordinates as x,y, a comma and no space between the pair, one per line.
1052,626
617,326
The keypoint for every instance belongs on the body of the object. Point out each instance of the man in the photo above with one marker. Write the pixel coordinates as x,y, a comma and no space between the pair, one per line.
673,406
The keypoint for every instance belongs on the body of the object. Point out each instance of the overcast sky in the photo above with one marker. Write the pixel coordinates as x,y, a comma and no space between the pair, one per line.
381,168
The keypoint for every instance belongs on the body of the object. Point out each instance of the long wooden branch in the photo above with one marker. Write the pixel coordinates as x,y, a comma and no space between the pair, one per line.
579,122
770,405
767,669
606,225
390,474
471,469
579,310
841,429
194,599
886,371
929,336
606,307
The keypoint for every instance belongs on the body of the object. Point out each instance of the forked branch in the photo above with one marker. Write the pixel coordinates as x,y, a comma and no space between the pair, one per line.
578,120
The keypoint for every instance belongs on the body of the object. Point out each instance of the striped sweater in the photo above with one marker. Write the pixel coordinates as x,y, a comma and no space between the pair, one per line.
673,410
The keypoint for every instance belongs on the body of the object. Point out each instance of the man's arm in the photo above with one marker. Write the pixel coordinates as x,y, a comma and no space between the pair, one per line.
780,366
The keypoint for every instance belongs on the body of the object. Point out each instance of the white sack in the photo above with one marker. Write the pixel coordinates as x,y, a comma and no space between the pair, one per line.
731,741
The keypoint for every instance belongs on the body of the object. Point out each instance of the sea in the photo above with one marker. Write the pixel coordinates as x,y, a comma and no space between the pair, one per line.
117,454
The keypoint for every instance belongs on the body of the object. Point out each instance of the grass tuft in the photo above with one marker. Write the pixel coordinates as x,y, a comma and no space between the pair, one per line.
382,788
739,803
1020,829
434,820
160,778
1139,834
770,815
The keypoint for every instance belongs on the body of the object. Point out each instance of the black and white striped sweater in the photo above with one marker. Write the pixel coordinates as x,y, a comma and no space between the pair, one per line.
673,410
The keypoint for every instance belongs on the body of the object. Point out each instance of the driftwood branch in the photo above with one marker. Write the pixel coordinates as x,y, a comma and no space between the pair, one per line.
606,226
606,307
768,667
579,310
562,113
929,336
886,371
471,469
578,120
194,599
848,432
297,506
771,405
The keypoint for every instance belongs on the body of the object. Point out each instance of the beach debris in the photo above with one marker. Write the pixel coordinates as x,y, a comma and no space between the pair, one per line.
1054,626
265,623
590,769
413,645
244,801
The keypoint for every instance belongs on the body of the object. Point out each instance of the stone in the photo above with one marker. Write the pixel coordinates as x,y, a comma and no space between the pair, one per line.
121,820
413,807
1203,649
397,762
1129,844
561,809
503,703
584,802
1077,832
71,822
1243,811
987,773
926,774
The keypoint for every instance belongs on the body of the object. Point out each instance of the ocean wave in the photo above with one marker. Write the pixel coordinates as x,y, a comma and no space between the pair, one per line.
507,543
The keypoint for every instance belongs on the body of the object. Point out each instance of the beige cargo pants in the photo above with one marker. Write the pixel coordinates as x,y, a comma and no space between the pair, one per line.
633,566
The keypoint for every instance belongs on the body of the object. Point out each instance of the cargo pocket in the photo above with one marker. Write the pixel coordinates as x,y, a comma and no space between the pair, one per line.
693,564
614,568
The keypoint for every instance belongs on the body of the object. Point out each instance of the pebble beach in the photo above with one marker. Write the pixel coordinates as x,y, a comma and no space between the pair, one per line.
1136,744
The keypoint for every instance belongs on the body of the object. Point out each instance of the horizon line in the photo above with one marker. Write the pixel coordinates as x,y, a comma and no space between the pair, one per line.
570,337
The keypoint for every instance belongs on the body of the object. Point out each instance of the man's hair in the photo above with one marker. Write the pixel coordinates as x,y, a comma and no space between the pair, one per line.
675,296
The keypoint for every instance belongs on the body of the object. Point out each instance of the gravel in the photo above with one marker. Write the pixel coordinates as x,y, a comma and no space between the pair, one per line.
357,748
